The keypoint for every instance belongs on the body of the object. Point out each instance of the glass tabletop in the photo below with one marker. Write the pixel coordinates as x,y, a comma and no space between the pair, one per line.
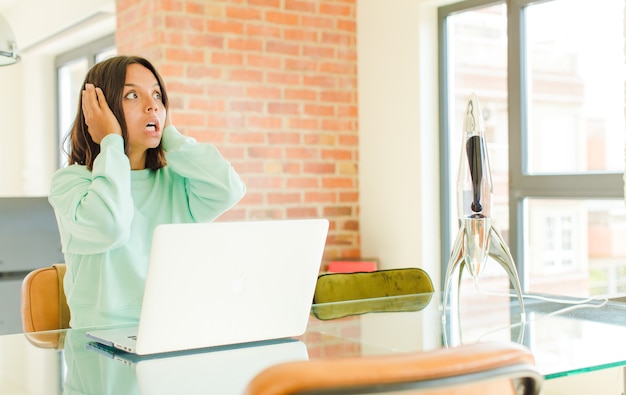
567,337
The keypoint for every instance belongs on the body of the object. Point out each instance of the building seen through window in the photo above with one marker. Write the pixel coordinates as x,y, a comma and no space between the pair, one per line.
550,129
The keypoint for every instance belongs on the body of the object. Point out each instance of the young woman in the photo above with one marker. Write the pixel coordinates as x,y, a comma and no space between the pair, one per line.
129,170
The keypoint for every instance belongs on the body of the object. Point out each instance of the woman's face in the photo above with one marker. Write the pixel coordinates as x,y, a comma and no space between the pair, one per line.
144,112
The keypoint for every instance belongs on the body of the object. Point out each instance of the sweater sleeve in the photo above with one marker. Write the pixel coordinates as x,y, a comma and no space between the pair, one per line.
212,184
94,209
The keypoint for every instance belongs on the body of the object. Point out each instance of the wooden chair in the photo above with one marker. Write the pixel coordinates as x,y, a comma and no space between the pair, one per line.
488,368
370,289
43,302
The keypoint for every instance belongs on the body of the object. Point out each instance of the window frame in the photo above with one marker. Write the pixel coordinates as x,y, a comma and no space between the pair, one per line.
522,185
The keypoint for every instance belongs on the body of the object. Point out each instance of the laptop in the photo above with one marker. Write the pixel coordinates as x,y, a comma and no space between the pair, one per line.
224,370
224,283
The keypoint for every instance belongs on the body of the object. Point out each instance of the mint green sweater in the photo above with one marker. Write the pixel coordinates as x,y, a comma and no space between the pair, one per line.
106,218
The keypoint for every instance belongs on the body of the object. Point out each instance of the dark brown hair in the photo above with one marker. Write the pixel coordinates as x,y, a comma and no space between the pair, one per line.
110,76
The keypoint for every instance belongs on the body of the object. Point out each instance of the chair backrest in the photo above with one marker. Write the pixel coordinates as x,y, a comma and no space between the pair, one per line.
481,368
43,302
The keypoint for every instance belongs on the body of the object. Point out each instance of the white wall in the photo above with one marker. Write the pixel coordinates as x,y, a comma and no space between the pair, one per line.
398,133
27,106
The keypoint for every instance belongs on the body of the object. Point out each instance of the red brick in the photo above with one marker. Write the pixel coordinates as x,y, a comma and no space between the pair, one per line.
319,110
301,94
282,48
263,61
320,81
220,89
347,197
291,168
232,153
338,124
184,87
319,168
347,40
301,64
184,55
336,211
338,96
320,139
301,153
348,111
203,40
299,5
225,121
302,212
245,44
317,21
283,79
186,118
338,68
258,214
243,13
349,140
207,104
227,58
180,22
320,197
301,35
283,198
261,182
246,106
346,25
190,7
263,92
265,3
264,122
245,75
303,183
247,138
198,72
337,182
263,31
283,108
284,138
336,9
265,152
337,154
235,214
346,54
304,123
319,52
215,26
282,18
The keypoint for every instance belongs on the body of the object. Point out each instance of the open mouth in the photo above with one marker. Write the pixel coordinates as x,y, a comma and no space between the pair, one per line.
151,127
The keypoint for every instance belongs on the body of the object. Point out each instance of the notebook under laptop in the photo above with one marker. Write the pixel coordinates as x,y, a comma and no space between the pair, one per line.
221,283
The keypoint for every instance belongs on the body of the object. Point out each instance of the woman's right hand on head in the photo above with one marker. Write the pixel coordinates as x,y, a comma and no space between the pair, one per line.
99,118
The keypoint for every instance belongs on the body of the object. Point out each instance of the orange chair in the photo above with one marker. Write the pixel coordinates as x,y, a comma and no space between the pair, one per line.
488,368
43,302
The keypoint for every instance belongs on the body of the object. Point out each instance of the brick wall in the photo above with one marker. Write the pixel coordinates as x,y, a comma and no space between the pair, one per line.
272,83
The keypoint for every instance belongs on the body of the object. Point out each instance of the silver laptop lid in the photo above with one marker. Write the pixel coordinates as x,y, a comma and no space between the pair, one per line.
222,283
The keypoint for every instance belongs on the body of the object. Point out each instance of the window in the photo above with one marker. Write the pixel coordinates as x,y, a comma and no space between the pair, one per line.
553,103
71,69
